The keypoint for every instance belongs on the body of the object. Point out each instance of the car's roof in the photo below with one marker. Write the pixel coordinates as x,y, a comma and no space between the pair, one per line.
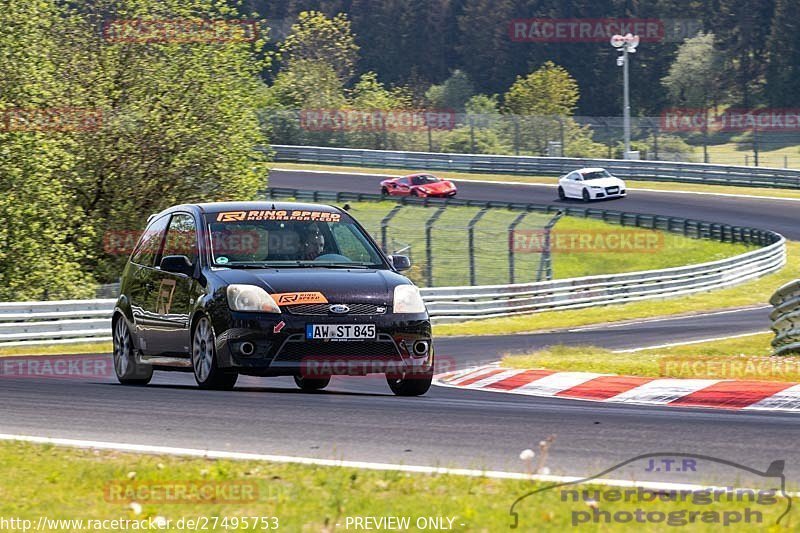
589,169
418,174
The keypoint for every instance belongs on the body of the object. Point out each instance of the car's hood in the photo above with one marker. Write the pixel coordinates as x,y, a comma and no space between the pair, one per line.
605,182
337,285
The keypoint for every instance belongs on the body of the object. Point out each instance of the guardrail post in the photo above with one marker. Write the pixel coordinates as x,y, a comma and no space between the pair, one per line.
546,262
428,245
471,243
511,228
385,224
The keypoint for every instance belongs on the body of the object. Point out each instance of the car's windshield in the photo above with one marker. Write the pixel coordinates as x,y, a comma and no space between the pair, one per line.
286,238
424,180
596,175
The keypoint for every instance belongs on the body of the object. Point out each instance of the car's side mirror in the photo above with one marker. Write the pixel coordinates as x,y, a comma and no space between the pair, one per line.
178,264
400,262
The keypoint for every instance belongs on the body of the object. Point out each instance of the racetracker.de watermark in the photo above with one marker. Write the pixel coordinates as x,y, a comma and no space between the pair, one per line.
354,120
600,30
227,242
50,119
180,31
696,120
600,241
183,492
79,367
733,367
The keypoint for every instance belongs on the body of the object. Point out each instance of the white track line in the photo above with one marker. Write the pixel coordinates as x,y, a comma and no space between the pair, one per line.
550,185
686,343
241,456
665,319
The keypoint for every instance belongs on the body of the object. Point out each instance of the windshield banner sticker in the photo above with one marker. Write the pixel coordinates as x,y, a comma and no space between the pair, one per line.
278,214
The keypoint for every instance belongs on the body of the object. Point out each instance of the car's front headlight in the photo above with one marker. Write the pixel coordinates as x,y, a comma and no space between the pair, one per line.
251,298
595,187
407,299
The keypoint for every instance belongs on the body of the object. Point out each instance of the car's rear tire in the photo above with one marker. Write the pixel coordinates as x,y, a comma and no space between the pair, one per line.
415,384
561,194
585,195
414,192
384,191
312,384
207,372
127,369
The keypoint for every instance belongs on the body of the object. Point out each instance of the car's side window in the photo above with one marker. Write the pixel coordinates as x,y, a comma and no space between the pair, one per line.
150,242
182,237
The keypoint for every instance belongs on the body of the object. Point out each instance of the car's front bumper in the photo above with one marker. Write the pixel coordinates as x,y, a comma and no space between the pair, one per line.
265,344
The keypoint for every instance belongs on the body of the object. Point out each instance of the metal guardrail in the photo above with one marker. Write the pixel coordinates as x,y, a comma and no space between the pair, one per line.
530,165
69,321
786,319
56,322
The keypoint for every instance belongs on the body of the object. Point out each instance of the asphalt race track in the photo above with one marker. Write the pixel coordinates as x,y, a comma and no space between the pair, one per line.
359,419
777,215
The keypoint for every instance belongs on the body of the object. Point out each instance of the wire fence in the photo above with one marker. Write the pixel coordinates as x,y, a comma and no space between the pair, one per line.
458,245
749,138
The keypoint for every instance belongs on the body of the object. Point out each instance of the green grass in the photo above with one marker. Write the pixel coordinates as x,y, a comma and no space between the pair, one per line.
738,358
655,185
733,153
451,257
750,293
62,483
57,349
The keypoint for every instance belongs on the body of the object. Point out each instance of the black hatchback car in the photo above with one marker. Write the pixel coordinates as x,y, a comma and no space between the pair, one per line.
268,289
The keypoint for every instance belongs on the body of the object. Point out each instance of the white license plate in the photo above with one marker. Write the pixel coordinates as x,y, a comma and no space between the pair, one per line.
340,331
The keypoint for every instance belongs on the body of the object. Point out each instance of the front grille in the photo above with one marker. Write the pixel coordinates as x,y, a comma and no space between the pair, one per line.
297,349
612,190
323,309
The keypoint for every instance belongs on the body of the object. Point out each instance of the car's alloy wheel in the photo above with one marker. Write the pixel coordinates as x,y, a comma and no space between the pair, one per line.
586,196
128,371
561,194
207,373
312,384
414,193
384,191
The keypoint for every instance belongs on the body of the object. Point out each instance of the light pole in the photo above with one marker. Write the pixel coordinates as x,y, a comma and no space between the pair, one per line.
626,44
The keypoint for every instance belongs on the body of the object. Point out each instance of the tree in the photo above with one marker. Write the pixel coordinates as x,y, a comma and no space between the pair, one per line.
542,103
694,76
37,261
741,28
182,124
550,90
783,68
317,38
453,94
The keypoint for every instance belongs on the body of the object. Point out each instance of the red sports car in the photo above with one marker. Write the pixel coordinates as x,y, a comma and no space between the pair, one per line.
421,185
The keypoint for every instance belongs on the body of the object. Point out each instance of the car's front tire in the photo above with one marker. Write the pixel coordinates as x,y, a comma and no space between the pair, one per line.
207,372
312,384
415,384
561,194
127,369
586,196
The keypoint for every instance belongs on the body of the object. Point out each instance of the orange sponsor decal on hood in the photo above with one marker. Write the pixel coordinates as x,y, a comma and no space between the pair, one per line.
296,298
